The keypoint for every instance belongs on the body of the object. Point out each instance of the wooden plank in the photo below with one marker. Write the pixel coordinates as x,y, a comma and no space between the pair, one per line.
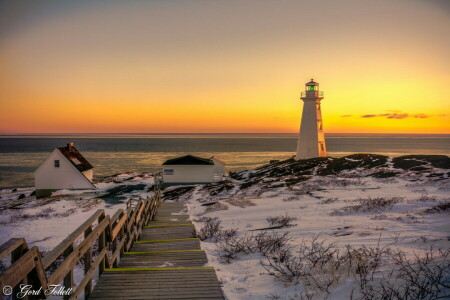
157,269
115,231
68,279
22,267
116,215
169,251
140,275
11,245
102,243
117,252
138,217
172,215
164,241
170,221
160,226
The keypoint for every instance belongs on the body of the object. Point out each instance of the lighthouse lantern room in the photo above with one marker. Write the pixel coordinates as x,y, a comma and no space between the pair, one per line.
311,141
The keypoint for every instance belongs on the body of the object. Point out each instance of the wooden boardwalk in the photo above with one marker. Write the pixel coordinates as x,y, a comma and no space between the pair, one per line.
166,263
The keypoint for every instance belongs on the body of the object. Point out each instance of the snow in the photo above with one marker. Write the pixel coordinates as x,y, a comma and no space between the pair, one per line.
45,224
318,204
315,214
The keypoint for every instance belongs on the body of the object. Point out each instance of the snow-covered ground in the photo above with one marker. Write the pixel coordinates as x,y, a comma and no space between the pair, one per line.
46,222
335,208
358,201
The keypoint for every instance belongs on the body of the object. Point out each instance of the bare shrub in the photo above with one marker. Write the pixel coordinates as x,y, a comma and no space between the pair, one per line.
65,214
292,198
316,265
215,207
379,272
211,228
281,220
47,210
424,277
88,204
368,205
334,181
425,198
226,234
440,208
235,247
267,243
363,263
328,201
241,202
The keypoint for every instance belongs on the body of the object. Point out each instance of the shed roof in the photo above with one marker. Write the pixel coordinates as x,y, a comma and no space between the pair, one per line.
75,157
188,160
218,159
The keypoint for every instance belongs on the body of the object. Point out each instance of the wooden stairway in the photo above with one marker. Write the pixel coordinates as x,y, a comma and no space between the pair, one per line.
166,263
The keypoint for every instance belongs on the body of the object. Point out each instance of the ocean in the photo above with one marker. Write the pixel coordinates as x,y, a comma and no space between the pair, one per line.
20,155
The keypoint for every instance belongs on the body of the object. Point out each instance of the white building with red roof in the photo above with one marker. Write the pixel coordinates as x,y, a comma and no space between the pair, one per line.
65,168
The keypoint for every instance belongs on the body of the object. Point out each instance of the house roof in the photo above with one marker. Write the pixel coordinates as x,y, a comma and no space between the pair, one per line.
218,159
75,157
188,160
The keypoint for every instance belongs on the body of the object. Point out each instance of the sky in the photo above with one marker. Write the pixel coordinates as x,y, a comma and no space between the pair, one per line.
203,66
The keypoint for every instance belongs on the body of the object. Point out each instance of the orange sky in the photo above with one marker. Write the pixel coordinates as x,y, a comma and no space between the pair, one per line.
223,66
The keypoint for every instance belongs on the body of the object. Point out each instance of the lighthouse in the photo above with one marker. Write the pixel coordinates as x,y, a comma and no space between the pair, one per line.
311,141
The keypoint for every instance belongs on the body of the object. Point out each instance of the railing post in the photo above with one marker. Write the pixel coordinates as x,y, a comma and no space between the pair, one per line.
114,246
87,264
101,245
15,255
68,280
124,237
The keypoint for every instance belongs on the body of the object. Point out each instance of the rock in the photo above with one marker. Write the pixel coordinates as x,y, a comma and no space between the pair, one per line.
176,193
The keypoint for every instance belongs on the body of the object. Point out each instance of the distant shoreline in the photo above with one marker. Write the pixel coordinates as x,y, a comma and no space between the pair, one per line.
219,135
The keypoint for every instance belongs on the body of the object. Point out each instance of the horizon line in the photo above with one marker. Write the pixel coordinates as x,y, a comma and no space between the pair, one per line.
204,133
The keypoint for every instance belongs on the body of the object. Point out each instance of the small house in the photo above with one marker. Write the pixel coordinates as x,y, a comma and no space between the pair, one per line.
190,169
65,168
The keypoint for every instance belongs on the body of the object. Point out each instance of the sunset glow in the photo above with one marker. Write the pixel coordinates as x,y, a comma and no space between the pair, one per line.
223,66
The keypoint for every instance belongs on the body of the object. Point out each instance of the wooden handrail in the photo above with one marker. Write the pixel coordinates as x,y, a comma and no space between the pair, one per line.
11,246
52,255
115,235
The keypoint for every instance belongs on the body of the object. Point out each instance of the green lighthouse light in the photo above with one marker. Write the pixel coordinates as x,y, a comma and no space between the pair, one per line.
311,88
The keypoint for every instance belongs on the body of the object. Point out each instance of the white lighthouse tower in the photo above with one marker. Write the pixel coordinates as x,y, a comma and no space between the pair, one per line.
311,141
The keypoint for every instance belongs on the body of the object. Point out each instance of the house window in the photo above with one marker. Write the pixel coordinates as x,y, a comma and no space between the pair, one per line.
168,171
56,163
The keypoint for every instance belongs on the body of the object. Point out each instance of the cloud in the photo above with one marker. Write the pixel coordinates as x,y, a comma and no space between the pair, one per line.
397,116
421,116
345,116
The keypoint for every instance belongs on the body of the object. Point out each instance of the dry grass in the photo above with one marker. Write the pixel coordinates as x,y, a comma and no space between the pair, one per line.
215,207
265,243
442,207
329,201
380,273
281,221
369,204
241,202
